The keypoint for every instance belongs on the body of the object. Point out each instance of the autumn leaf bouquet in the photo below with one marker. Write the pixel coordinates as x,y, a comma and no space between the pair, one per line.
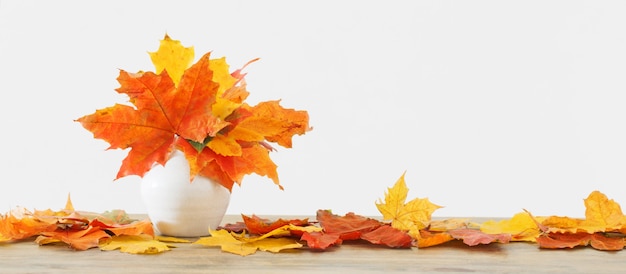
199,109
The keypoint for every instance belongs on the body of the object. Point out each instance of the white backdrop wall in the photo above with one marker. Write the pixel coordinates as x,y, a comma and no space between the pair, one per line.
489,106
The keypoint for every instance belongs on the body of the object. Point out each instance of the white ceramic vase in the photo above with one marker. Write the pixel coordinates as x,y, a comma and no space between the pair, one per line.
178,207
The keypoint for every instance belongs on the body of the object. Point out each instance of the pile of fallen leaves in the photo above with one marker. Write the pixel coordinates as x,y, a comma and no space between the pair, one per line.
81,230
403,225
409,224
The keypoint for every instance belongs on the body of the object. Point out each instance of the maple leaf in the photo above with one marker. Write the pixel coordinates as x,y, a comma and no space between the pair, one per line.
162,112
472,237
79,239
337,229
347,227
602,214
389,236
237,227
410,216
321,241
134,244
241,245
172,57
447,224
256,225
521,226
143,227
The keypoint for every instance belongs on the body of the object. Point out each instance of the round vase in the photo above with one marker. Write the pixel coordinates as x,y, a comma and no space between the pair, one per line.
178,207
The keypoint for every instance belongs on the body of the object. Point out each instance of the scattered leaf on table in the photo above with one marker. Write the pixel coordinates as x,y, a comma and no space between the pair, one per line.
602,214
321,241
389,236
563,240
19,224
348,227
601,242
428,238
522,227
116,216
81,239
410,216
447,224
227,242
472,237
242,245
142,227
256,225
603,217
134,244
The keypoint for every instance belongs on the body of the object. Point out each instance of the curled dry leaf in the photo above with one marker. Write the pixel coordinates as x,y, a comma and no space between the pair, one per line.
474,237
256,225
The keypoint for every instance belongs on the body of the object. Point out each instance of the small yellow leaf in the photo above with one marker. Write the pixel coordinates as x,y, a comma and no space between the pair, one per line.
411,216
172,57
134,245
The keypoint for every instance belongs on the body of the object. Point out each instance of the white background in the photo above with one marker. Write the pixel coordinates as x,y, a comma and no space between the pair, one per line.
489,106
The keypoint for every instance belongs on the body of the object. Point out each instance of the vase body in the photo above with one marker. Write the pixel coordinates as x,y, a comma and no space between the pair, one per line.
178,207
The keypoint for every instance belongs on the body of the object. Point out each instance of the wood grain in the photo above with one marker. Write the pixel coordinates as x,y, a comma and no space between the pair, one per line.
28,257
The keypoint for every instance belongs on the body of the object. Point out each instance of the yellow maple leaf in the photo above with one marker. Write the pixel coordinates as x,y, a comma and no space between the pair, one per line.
223,106
242,245
134,244
602,214
225,146
522,227
172,57
411,216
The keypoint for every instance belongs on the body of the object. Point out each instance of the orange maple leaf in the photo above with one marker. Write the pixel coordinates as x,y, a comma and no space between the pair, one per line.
198,110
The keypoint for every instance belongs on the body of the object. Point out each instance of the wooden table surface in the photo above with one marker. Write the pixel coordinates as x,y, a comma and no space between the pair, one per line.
454,257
